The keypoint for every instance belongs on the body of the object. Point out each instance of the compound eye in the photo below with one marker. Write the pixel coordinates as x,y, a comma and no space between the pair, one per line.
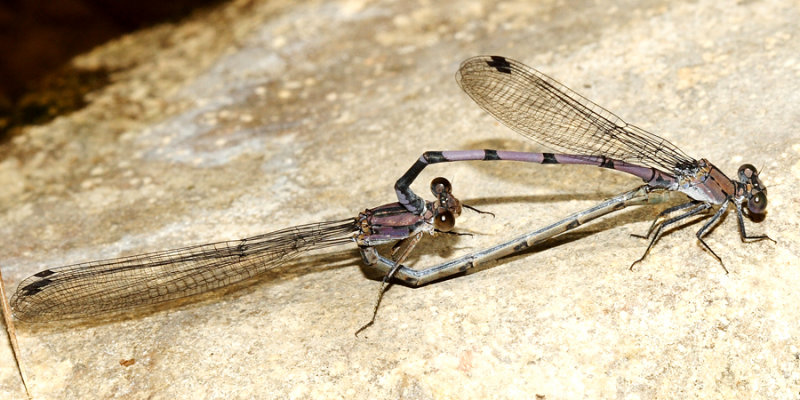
444,222
757,204
440,185
746,172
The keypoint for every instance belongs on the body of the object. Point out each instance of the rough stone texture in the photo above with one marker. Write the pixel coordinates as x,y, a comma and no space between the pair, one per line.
257,116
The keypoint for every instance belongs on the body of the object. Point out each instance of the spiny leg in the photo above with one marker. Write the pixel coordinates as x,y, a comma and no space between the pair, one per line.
661,214
454,233
705,227
743,233
700,208
469,207
408,244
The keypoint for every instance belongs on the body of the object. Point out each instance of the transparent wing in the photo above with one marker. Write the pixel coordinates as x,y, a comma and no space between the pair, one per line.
551,114
100,287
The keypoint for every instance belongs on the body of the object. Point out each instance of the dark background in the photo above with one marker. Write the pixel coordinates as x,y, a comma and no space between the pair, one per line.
38,39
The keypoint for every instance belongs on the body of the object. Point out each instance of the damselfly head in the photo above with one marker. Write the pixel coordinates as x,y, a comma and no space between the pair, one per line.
440,186
753,189
446,207
444,222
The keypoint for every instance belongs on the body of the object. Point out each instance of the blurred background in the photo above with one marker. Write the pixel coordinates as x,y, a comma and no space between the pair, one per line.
38,38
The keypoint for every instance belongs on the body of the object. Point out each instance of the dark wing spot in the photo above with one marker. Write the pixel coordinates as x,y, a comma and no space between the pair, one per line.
36,287
44,274
500,64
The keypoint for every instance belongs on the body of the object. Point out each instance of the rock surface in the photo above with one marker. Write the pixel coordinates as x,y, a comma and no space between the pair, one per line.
261,115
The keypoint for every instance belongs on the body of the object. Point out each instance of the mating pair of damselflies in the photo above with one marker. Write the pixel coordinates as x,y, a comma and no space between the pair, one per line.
524,99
